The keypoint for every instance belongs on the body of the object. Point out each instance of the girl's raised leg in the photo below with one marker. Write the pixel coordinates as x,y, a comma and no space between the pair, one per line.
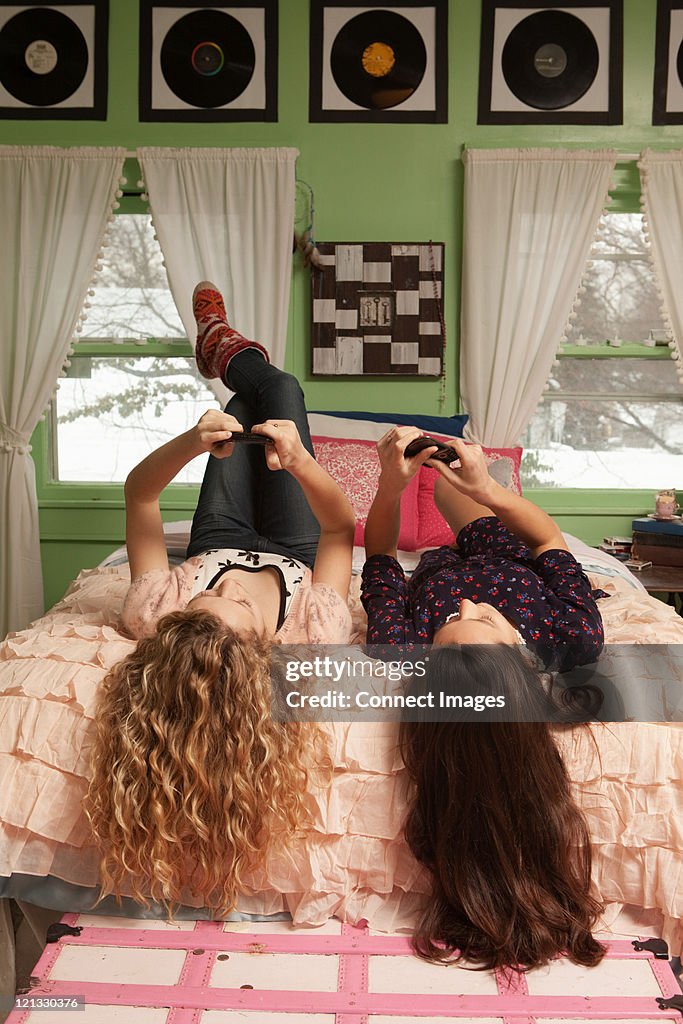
457,509
282,515
227,508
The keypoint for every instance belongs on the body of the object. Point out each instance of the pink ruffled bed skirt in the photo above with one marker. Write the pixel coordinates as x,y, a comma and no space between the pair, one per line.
353,861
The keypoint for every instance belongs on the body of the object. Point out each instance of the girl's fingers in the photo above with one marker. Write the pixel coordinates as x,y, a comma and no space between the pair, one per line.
267,429
406,439
447,473
278,432
463,449
424,456
398,438
217,436
398,434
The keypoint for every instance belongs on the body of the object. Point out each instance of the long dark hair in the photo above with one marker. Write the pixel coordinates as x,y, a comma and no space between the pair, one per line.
492,817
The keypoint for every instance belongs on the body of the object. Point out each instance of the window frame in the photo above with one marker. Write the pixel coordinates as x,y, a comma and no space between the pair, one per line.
625,197
71,495
53,492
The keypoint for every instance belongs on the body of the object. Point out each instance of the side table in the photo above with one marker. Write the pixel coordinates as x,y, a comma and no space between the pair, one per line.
667,579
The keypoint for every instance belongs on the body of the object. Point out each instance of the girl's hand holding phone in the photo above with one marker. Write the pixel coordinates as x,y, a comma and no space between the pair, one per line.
213,433
287,451
397,470
472,476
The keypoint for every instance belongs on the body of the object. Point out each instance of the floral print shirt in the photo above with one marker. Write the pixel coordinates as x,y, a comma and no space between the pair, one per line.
548,599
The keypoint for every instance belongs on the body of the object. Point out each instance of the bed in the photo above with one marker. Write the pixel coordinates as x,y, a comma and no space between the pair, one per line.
352,862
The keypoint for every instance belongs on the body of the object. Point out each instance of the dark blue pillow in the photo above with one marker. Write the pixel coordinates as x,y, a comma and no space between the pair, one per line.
452,425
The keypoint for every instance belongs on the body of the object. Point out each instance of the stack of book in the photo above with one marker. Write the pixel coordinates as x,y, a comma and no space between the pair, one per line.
659,540
620,547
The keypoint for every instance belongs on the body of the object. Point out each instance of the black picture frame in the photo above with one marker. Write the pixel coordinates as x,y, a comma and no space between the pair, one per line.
611,111
99,54
666,109
319,109
148,111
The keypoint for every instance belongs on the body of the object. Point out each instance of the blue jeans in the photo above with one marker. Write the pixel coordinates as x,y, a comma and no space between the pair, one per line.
242,504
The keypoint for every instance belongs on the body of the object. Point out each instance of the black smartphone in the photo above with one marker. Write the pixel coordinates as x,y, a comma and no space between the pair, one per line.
444,452
247,437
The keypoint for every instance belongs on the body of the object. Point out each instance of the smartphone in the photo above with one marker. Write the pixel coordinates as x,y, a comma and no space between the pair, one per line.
247,437
444,452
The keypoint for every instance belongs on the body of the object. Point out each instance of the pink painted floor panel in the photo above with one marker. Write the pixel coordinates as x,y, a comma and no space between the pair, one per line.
150,972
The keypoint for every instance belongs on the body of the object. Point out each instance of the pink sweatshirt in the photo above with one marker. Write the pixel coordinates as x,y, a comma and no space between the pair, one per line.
317,613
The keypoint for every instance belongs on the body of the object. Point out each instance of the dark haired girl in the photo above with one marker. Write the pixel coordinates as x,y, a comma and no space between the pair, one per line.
493,818
491,815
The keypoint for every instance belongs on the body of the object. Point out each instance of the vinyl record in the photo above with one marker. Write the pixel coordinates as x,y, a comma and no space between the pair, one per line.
207,58
378,59
550,60
43,57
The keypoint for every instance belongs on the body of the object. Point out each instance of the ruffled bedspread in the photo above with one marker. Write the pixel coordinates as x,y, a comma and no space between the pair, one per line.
353,861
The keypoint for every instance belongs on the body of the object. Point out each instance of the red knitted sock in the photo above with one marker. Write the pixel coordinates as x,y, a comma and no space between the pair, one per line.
217,341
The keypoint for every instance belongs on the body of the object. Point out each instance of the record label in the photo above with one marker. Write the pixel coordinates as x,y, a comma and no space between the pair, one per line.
207,58
43,56
550,59
378,59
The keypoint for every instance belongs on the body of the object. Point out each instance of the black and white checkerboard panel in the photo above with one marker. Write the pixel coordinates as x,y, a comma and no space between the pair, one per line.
376,309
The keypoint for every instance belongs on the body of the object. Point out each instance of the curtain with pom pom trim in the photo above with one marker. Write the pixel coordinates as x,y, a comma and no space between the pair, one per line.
529,220
227,216
662,182
54,207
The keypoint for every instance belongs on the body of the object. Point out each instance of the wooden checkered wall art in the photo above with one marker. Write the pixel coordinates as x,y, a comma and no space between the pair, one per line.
377,309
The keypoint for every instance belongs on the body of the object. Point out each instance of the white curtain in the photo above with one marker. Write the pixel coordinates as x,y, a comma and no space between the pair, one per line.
54,207
662,183
227,216
529,220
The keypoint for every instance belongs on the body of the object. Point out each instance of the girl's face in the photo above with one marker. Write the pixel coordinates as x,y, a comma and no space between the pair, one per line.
477,623
233,605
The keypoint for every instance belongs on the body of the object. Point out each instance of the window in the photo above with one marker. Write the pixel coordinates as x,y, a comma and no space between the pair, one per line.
612,413
132,383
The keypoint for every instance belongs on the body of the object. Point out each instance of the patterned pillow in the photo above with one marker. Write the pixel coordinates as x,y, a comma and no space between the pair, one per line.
354,464
433,530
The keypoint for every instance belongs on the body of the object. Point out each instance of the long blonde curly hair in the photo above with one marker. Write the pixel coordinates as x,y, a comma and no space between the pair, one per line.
192,778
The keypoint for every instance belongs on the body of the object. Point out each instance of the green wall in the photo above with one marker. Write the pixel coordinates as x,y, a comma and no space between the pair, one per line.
371,182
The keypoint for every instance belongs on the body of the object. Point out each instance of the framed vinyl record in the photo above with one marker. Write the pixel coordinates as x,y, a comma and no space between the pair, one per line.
380,62
667,105
53,60
377,309
551,63
208,62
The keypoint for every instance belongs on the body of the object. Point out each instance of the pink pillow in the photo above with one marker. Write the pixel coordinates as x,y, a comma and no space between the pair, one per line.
433,530
354,464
